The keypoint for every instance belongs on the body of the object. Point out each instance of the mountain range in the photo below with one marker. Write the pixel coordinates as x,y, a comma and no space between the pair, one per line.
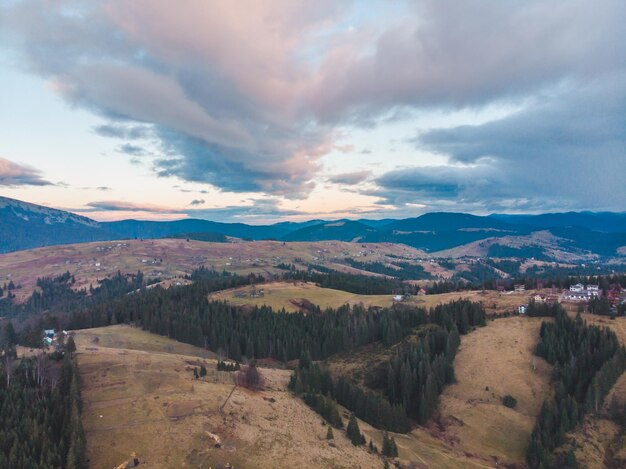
25,226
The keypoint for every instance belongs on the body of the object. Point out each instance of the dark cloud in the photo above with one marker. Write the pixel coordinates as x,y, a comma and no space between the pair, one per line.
566,152
195,202
350,179
13,174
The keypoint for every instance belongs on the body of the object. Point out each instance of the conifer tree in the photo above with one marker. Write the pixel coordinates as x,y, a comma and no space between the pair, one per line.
353,431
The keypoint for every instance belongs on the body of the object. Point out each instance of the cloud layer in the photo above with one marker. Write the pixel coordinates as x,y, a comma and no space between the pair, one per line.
250,99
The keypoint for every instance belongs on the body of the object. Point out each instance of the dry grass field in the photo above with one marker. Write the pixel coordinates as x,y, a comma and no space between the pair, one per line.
288,295
494,302
149,403
174,258
492,362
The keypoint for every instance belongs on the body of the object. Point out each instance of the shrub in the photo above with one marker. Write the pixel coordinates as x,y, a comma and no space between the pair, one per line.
509,401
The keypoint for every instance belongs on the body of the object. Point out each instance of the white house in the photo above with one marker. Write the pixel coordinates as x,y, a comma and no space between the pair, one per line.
398,298
578,288
521,309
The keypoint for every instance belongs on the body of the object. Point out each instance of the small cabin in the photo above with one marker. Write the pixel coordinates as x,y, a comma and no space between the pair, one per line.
521,309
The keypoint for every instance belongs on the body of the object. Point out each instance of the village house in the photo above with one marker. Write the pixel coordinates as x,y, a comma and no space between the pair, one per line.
574,296
521,309
520,287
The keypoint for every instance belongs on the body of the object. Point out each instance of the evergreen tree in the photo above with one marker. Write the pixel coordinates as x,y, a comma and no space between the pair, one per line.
329,433
353,431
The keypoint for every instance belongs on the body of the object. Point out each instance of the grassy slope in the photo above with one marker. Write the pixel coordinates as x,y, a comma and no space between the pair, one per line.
285,295
149,403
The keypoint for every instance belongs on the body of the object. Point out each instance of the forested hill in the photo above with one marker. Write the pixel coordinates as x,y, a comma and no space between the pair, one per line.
25,226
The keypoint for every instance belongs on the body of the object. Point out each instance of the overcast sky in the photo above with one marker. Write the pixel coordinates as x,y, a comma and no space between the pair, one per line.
261,111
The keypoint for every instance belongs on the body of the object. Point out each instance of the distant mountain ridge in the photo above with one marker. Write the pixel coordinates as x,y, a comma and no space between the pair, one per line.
25,226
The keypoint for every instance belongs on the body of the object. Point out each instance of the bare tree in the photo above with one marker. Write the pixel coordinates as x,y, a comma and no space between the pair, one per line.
8,366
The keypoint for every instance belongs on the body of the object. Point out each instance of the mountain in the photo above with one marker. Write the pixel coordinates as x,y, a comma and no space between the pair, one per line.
161,229
25,226
339,230
450,221
608,222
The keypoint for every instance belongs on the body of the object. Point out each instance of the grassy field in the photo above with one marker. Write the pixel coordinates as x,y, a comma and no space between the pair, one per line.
174,258
132,338
147,402
288,295
492,362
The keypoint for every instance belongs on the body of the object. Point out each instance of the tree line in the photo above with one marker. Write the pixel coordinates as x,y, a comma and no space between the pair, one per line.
40,422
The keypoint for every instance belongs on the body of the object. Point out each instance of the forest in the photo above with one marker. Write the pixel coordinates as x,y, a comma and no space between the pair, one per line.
40,406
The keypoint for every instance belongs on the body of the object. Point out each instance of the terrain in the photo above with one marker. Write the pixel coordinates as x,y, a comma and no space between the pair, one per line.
144,400
290,296
472,421
175,258
571,236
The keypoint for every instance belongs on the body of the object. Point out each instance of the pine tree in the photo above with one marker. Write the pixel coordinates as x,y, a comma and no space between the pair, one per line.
329,433
353,431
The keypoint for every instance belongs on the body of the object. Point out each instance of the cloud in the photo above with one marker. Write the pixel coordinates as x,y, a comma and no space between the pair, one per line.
197,202
350,179
122,206
566,152
254,211
13,174
446,53
127,132
132,150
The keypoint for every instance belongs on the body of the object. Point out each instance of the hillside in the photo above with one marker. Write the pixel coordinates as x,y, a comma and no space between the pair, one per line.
174,258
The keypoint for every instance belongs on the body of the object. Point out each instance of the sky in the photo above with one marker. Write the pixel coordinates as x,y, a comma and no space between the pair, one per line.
264,111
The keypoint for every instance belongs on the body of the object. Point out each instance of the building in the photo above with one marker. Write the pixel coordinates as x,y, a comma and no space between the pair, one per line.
575,296
398,298
520,287
540,298
593,290
521,309
578,288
